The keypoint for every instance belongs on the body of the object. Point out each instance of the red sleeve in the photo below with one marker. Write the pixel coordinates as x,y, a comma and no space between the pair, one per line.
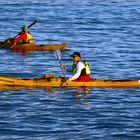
22,37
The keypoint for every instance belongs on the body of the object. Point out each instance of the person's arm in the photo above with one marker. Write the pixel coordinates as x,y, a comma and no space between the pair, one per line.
14,44
16,40
20,38
79,68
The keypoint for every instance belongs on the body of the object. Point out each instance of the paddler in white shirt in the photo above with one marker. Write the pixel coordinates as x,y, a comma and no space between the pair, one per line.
80,69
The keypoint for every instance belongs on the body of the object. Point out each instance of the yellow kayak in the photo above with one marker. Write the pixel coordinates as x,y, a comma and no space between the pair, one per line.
51,81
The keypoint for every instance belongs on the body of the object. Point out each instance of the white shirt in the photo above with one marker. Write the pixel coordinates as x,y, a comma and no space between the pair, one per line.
79,67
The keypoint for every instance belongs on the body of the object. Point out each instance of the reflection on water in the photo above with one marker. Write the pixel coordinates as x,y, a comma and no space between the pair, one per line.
80,93
77,93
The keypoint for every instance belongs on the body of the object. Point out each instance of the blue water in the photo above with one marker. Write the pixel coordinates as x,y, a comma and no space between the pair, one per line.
107,33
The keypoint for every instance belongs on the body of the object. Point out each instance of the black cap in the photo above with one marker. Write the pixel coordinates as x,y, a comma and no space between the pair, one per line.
75,54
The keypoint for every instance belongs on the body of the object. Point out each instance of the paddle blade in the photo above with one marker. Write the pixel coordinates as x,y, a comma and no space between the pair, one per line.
57,54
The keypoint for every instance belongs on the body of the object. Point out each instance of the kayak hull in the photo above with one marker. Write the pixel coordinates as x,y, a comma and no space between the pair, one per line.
34,47
60,82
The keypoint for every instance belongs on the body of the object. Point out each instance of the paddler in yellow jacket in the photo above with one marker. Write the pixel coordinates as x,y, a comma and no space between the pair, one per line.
80,68
25,37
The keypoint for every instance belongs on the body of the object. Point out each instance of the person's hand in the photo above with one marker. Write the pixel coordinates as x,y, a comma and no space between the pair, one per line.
12,46
64,79
8,40
62,66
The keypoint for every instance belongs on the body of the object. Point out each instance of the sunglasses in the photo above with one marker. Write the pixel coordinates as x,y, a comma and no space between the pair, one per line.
73,56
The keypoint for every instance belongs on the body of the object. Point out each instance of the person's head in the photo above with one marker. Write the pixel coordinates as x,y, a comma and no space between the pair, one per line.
25,28
76,56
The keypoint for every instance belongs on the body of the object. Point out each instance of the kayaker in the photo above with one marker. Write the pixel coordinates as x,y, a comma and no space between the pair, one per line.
80,68
25,37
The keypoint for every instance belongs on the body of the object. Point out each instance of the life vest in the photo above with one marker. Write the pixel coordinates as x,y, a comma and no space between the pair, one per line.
29,37
85,71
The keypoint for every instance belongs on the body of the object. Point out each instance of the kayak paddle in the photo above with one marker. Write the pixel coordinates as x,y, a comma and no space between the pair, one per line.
57,54
19,32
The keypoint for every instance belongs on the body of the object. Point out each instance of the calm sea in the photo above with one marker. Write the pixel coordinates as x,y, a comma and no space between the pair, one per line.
107,34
